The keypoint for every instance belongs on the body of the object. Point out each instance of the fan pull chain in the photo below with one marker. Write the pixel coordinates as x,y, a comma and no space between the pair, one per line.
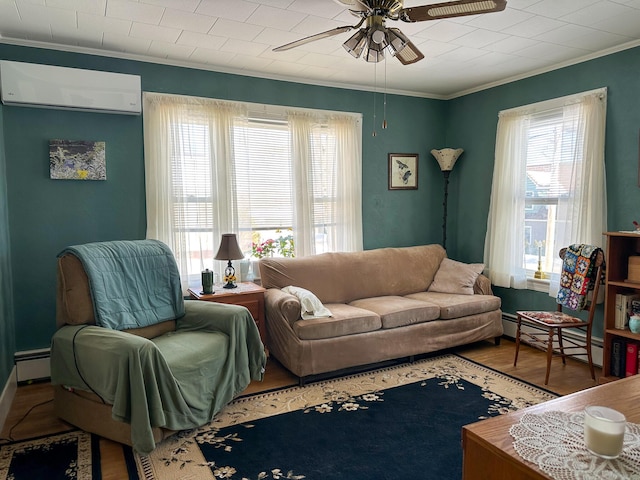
375,89
384,120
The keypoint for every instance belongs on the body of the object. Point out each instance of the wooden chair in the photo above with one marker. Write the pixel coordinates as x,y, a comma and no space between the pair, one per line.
553,323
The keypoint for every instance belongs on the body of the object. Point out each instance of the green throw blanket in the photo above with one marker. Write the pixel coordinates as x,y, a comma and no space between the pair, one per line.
133,283
178,381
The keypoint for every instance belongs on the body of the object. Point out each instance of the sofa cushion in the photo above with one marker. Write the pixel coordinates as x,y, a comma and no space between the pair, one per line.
454,306
346,320
397,311
456,277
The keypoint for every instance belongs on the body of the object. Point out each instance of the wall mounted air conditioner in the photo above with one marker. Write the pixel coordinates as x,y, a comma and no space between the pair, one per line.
46,86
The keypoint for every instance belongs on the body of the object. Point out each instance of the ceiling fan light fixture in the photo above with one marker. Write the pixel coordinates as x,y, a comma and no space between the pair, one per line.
355,45
374,52
397,40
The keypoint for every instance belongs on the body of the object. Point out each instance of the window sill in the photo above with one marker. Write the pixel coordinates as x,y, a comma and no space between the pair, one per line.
538,284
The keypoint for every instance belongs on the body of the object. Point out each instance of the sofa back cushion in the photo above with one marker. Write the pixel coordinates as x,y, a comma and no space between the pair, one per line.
342,277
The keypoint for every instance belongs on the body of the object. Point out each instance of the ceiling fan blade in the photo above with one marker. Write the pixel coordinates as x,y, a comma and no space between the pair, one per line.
313,38
409,54
458,8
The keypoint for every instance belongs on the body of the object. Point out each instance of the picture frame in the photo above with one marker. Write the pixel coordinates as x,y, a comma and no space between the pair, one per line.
403,171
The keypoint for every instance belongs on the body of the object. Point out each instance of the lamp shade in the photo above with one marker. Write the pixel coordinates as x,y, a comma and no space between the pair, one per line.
229,248
447,157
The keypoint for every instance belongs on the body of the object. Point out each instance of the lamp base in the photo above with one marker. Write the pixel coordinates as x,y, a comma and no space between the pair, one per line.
230,285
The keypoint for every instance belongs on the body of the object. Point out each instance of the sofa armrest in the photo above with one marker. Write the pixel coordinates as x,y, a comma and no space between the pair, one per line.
283,305
482,286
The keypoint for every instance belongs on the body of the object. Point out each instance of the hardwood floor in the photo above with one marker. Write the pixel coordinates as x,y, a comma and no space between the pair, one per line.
32,414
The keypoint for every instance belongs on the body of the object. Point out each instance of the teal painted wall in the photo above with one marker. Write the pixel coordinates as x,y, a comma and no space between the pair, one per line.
471,124
7,334
47,215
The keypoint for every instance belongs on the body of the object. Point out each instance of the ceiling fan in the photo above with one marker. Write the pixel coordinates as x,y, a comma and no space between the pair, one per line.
375,37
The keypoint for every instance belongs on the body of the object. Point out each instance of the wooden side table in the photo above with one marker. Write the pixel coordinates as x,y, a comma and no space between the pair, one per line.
246,294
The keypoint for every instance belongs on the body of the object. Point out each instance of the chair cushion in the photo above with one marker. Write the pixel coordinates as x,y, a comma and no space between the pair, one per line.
550,318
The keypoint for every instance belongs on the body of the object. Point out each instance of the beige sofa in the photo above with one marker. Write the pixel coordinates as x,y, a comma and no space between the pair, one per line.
383,307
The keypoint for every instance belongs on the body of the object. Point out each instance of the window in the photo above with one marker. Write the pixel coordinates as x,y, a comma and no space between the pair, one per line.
261,172
548,187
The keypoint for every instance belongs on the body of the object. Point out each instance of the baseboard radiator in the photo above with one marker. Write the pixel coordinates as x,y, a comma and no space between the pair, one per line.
510,327
32,365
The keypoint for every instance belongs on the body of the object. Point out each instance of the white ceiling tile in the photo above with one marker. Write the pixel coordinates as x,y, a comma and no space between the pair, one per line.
120,43
534,27
549,51
271,36
312,25
558,8
96,7
275,17
239,10
479,38
154,32
42,15
68,36
628,24
582,37
214,57
184,5
203,40
242,47
233,29
318,60
134,11
103,24
463,54
596,12
8,14
284,68
187,21
318,8
250,63
445,31
170,50
511,45
506,19
433,48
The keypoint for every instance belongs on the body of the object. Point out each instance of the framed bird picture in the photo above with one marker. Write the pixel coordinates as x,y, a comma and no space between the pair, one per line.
403,171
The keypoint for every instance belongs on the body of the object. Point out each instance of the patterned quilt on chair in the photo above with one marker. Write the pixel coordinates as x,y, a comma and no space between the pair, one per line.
576,278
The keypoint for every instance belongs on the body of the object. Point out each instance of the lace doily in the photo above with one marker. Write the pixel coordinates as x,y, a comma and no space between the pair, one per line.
554,441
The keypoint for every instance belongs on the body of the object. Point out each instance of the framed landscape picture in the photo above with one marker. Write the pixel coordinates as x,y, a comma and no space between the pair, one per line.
403,171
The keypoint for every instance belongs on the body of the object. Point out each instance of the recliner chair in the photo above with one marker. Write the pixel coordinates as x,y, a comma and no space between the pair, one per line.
132,360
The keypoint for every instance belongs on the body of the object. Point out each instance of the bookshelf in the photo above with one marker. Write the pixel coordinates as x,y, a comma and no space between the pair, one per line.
620,246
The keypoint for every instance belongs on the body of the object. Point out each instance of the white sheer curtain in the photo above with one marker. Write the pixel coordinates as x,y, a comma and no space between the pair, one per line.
178,132
204,158
327,150
582,214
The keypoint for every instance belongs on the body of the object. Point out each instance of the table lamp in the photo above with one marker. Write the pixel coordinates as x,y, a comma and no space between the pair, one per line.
229,250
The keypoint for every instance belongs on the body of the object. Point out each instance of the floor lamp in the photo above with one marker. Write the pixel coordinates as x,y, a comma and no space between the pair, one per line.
446,158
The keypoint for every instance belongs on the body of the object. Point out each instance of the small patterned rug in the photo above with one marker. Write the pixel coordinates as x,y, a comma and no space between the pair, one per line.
71,455
402,422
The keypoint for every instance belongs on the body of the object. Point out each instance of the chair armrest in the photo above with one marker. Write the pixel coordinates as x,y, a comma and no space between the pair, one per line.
482,286
282,304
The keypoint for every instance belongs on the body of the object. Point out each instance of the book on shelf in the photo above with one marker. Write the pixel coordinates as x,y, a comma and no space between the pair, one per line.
618,357
624,308
631,361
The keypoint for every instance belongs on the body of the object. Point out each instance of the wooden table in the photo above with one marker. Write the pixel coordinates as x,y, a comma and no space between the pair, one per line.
246,294
487,446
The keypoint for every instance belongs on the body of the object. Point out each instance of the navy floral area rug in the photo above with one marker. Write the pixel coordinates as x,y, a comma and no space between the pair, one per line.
400,423
71,455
